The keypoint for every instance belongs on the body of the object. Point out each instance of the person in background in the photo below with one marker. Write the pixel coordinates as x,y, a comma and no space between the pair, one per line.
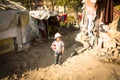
58,47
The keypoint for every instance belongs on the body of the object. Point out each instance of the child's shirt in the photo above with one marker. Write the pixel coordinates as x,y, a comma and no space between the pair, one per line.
58,46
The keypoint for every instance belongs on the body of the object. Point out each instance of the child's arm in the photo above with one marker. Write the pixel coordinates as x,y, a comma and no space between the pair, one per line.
53,46
63,48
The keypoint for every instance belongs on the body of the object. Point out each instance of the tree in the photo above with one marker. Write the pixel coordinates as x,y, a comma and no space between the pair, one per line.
76,5
63,3
28,3
25,3
53,3
57,3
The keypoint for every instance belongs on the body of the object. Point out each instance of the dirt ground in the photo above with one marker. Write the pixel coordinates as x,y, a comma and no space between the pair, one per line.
81,67
38,56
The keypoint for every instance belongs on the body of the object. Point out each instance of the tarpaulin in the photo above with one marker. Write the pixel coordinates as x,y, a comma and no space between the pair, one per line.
42,14
33,27
24,18
12,32
8,19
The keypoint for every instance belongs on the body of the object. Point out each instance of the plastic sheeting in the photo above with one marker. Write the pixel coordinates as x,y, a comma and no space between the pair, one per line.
24,18
8,19
42,14
13,24
8,33
33,28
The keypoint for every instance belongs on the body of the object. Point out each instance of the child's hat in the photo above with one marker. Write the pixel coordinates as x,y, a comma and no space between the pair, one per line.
57,35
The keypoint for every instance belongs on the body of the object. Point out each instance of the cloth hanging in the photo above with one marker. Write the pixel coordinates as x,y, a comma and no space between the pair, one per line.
42,25
63,18
60,18
108,12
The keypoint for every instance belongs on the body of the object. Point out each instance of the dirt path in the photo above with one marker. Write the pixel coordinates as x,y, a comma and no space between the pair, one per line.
39,56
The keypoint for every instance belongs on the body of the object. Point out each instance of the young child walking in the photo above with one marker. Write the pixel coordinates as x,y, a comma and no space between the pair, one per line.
58,47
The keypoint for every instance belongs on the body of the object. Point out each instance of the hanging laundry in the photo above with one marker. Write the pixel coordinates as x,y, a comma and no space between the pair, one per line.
108,12
80,17
62,18
65,17
41,25
91,15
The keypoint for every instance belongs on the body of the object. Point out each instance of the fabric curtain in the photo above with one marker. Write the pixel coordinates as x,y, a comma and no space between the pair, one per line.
108,12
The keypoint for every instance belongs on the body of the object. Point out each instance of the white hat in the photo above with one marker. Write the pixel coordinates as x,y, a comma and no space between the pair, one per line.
57,35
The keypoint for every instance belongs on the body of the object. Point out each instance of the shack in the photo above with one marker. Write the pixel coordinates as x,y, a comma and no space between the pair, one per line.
13,22
47,22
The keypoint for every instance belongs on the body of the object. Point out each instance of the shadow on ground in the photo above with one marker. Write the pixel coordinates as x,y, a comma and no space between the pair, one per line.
18,63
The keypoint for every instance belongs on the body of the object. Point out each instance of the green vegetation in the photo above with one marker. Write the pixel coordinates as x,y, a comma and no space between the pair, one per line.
75,4
71,4
25,3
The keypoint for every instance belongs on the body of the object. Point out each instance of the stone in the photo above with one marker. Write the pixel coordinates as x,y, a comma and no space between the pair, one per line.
74,53
81,50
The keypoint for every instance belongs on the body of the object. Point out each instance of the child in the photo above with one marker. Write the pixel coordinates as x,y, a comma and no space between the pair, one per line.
58,47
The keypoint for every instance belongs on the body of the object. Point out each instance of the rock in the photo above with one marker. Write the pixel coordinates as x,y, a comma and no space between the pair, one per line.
14,76
81,50
74,53
110,44
83,38
102,54
118,47
78,48
116,54
100,43
86,45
